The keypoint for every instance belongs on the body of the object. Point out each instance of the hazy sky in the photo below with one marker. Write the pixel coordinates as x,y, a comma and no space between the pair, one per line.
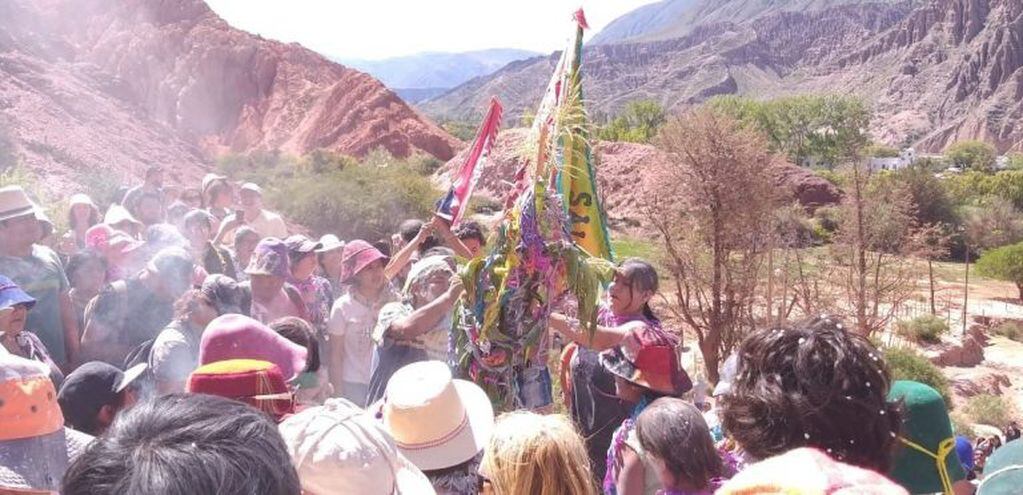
373,29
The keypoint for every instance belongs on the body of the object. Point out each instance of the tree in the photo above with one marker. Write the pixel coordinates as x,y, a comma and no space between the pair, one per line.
716,230
1004,263
932,242
972,155
811,130
638,123
993,223
876,150
930,197
874,237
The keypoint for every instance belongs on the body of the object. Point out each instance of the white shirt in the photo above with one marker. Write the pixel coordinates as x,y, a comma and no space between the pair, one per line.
353,322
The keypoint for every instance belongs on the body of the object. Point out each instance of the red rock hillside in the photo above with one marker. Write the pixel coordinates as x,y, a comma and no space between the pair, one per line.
117,84
619,168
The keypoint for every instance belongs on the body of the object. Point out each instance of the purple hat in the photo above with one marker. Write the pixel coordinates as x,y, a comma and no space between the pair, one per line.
270,258
357,255
240,337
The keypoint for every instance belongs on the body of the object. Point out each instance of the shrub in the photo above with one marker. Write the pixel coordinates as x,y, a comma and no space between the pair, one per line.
961,425
927,328
989,409
972,155
907,364
1004,263
334,193
1012,330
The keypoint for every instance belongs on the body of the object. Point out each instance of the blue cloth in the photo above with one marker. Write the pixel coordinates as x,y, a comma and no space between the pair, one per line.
11,295
965,452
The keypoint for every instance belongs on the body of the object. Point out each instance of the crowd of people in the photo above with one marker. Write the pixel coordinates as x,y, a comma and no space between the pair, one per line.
187,341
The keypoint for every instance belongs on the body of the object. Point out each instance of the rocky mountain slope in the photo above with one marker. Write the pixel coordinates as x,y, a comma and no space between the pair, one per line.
424,75
114,85
619,168
935,71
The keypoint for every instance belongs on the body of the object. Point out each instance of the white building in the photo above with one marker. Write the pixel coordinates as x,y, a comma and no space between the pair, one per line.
906,158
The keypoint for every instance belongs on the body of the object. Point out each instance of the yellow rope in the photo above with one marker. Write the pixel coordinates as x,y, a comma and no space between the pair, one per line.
944,448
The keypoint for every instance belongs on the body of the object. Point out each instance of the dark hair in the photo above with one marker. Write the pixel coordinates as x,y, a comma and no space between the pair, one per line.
243,232
94,217
409,228
187,303
460,478
384,246
209,194
812,384
300,332
675,431
296,256
80,259
185,443
471,230
642,276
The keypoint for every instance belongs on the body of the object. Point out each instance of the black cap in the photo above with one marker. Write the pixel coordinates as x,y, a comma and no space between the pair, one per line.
90,387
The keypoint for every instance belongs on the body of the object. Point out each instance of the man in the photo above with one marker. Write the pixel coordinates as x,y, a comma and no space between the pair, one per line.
268,271
198,226
38,271
95,393
264,222
152,184
130,312
149,209
192,443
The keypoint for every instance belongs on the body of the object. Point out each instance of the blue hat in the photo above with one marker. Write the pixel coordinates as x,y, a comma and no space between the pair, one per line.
965,452
11,295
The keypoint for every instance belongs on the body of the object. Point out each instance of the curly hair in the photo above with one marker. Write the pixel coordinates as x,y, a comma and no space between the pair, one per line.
812,385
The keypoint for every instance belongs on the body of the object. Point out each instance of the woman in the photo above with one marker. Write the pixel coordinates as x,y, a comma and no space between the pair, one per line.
417,328
315,290
87,273
82,214
329,259
268,271
14,307
175,352
217,196
535,454
245,240
646,368
312,387
594,403
694,470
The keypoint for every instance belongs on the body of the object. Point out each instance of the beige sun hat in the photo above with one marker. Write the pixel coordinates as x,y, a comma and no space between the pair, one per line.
117,215
14,203
437,422
81,199
337,448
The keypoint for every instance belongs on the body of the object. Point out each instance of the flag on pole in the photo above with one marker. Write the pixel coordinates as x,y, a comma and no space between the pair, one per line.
577,180
452,207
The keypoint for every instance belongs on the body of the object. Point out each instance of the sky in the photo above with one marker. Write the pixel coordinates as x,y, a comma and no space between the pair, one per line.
376,29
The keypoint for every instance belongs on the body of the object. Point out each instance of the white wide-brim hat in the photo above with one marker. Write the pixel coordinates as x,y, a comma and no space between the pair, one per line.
15,203
436,421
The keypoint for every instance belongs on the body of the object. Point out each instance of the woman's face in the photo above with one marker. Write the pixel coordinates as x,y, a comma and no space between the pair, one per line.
627,391
90,277
304,267
203,313
224,197
433,288
265,287
81,214
332,262
626,299
371,279
12,320
244,248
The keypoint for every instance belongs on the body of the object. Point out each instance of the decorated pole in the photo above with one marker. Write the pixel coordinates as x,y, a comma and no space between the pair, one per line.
535,257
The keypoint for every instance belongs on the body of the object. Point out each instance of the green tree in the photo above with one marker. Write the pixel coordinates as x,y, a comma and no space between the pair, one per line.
1004,263
1015,161
933,203
876,150
972,155
816,129
638,123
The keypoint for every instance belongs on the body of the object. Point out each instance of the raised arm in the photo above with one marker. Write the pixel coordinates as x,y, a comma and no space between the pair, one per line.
402,257
425,318
456,244
603,338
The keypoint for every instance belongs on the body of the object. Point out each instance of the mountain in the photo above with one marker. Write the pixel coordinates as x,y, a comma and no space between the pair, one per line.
430,73
935,71
114,85
674,18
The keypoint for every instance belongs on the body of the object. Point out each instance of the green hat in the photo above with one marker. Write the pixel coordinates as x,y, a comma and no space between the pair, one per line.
925,460
1003,472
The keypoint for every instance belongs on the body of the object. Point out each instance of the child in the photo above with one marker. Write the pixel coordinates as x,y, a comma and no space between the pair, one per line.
676,439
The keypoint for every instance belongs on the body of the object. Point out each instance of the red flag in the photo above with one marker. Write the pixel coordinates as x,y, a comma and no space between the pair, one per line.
580,17
452,206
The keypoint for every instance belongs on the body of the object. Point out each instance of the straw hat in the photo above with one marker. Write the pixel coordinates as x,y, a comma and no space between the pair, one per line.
436,421
337,448
14,203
